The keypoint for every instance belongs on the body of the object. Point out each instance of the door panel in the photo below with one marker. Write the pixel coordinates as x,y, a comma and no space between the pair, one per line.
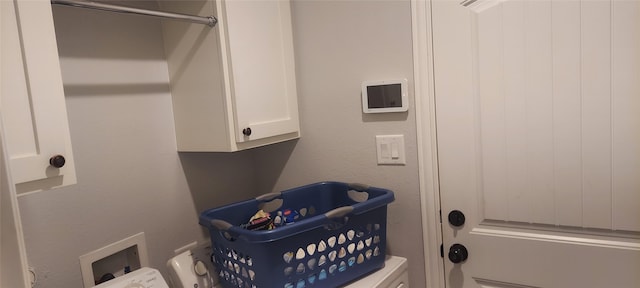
625,106
567,112
538,122
596,107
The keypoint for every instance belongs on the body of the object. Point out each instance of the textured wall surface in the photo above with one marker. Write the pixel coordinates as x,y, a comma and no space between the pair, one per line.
338,45
130,178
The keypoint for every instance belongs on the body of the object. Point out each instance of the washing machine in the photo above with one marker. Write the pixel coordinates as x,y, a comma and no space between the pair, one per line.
393,275
144,277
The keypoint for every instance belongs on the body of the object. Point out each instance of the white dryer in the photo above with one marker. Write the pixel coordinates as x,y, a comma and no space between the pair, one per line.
393,275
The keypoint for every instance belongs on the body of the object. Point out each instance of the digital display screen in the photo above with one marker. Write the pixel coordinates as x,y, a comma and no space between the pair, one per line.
384,96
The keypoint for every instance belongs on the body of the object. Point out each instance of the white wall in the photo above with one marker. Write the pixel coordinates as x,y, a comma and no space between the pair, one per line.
130,178
338,45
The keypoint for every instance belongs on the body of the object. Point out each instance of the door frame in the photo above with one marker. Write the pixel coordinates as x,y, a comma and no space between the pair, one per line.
427,146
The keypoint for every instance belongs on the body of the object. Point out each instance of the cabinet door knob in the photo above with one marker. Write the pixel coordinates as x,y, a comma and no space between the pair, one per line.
246,131
57,161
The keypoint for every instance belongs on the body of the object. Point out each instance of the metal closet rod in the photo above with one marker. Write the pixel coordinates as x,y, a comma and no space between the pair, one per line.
209,20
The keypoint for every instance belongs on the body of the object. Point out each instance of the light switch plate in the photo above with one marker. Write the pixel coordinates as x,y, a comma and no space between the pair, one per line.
390,149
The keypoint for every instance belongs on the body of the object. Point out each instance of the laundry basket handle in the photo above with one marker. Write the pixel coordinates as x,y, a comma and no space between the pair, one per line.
220,224
269,196
339,212
359,187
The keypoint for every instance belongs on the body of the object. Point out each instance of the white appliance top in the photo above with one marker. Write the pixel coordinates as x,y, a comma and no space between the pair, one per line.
144,277
393,268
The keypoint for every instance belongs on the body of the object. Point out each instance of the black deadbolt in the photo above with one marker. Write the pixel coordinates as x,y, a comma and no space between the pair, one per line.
458,253
456,218
57,161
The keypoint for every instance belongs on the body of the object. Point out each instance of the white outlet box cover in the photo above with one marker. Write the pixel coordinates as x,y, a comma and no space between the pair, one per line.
390,149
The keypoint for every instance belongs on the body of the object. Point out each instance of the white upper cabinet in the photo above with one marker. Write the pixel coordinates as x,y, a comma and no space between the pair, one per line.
233,85
32,100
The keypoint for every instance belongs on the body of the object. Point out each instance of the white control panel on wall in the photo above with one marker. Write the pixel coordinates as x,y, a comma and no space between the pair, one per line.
390,149
385,96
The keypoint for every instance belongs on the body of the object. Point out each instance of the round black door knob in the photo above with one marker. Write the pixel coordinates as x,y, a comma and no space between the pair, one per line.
456,218
458,253
246,131
57,161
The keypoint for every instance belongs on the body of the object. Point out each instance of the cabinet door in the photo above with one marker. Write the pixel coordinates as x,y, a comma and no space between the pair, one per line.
32,99
13,255
262,73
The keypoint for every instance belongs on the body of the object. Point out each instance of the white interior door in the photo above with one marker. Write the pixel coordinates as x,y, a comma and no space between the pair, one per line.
538,128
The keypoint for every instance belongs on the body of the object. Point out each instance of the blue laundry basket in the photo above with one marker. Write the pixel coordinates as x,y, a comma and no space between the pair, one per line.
338,236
